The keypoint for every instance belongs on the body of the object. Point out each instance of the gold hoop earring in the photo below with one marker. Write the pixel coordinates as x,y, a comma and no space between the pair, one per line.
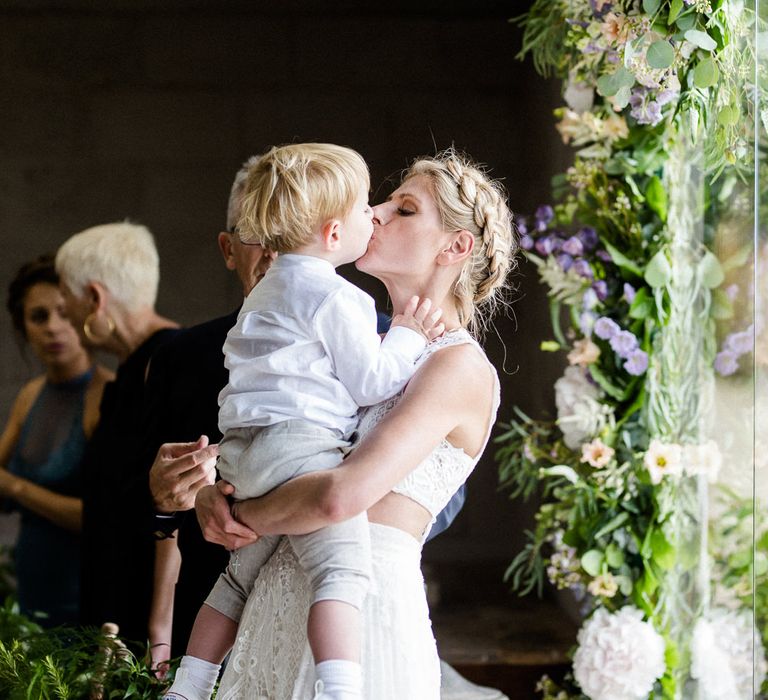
88,331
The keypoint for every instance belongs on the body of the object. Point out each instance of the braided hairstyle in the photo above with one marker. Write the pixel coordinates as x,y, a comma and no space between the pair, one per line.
468,199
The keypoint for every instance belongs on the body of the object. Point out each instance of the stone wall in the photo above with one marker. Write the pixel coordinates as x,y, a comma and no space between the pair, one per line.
145,110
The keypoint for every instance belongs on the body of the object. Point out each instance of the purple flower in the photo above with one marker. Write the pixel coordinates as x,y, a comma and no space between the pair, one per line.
636,363
587,323
606,328
629,292
726,363
732,291
565,261
644,109
544,214
601,289
545,245
522,225
526,242
573,246
740,343
589,300
623,344
588,237
581,267
665,96
604,255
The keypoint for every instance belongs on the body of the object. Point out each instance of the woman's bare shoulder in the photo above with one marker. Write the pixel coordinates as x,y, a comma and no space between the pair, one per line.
26,397
101,376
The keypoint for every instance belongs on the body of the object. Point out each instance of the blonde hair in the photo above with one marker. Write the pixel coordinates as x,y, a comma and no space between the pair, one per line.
467,199
122,256
293,189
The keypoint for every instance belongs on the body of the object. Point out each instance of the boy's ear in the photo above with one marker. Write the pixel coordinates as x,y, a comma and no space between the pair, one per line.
331,234
459,248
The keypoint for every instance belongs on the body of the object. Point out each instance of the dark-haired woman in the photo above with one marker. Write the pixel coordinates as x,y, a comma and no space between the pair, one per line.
42,446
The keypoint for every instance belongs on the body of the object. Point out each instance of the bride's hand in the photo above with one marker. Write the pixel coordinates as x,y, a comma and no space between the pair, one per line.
215,517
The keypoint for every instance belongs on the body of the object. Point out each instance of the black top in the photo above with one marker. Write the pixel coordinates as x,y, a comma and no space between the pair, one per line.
185,378
117,550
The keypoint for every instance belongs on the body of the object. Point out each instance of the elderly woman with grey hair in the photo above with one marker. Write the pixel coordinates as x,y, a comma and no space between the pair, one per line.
109,278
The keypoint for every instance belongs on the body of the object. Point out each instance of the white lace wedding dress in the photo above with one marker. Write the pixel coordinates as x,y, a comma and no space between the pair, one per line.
271,659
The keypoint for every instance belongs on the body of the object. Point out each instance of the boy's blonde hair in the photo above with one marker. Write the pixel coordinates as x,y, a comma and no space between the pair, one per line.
293,189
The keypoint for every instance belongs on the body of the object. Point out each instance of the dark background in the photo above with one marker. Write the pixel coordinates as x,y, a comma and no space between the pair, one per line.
131,108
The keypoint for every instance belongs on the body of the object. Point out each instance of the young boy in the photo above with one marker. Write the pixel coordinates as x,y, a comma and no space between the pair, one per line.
303,357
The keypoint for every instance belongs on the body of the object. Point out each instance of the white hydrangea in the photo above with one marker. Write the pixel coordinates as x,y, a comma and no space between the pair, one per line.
620,656
580,415
722,651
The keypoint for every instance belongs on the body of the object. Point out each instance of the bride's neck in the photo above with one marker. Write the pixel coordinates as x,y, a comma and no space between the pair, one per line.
400,295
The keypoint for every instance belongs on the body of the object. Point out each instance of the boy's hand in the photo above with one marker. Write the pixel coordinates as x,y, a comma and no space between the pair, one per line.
419,316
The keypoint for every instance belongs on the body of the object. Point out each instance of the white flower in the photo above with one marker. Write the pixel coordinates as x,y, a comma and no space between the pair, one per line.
596,453
603,585
663,459
579,96
619,656
722,651
703,459
584,353
580,415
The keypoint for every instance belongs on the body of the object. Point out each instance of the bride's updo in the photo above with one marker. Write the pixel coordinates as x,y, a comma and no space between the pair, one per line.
468,199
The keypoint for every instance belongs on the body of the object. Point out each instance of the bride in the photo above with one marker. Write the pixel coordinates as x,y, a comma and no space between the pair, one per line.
446,234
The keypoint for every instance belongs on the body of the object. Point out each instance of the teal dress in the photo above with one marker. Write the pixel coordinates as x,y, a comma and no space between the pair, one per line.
50,453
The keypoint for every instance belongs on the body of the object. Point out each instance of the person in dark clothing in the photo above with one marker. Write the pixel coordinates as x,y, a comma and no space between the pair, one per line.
109,278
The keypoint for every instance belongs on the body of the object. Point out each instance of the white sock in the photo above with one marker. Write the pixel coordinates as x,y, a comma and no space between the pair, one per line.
195,679
341,680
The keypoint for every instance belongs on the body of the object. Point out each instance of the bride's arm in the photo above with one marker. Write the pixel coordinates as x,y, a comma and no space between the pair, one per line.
450,396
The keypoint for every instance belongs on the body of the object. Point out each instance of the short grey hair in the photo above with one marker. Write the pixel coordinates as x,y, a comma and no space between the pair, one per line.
122,256
235,203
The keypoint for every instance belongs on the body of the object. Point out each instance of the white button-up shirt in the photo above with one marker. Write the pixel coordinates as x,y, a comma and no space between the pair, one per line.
305,347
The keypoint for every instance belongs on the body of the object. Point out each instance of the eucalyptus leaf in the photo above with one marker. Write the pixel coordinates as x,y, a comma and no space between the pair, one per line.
710,271
651,6
614,556
728,115
609,85
621,98
706,73
739,258
658,273
625,585
660,54
592,562
686,21
722,308
701,39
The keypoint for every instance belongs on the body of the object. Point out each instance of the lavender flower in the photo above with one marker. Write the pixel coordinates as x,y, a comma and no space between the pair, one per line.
604,255
601,289
543,215
545,245
522,225
637,363
589,300
623,344
629,292
606,328
726,363
740,343
588,237
587,322
581,267
565,261
526,242
573,246
644,109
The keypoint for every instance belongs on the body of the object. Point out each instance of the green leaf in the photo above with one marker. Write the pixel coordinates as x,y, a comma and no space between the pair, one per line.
686,22
625,585
722,308
621,98
701,39
614,556
619,520
606,384
642,305
622,261
549,346
740,258
706,73
656,196
728,115
592,562
554,317
675,8
651,6
710,271
561,470
660,54
664,554
658,273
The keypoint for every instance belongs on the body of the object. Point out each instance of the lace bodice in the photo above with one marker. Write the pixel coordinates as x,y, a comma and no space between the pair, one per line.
439,476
